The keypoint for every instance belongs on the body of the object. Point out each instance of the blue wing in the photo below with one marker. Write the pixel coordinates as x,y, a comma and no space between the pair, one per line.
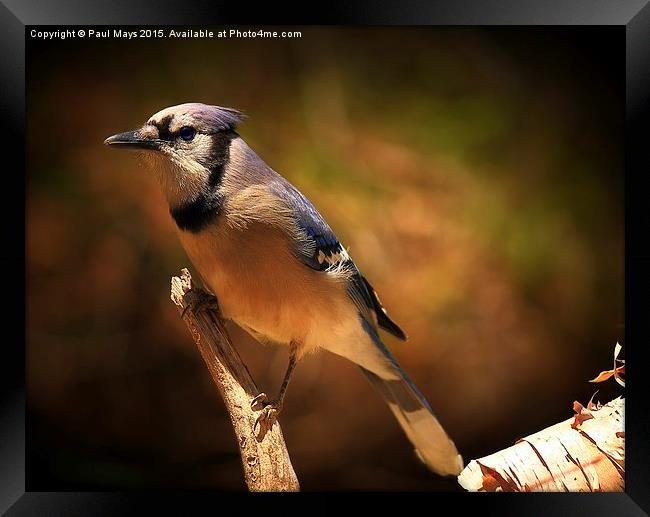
328,253
327,249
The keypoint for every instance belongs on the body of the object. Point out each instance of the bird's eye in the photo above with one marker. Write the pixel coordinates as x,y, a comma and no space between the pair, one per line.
187,133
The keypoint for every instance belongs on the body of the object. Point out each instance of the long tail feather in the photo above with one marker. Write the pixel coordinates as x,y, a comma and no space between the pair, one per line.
412,411
432,444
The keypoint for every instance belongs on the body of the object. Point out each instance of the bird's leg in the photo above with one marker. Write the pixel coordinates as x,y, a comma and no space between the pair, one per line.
201,300
271,409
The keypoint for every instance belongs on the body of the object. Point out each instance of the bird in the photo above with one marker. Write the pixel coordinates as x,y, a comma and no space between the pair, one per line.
274,265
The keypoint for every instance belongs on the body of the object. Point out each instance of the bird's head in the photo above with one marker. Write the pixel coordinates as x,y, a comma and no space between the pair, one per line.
187,145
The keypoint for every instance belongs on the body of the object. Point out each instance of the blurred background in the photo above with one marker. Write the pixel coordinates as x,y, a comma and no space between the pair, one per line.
475,175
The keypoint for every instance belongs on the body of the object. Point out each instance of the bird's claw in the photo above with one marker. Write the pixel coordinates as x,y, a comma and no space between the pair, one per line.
259,402
268,414
201,301
267,417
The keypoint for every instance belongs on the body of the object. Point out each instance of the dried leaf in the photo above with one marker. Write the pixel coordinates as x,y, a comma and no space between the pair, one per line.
603,376
616,372
582,414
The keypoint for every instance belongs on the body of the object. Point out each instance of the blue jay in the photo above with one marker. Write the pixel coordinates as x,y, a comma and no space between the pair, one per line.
274,264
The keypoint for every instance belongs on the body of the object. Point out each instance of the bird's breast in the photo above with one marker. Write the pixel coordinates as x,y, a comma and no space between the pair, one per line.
262,285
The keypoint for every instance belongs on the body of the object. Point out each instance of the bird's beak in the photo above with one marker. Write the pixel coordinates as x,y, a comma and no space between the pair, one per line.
133,140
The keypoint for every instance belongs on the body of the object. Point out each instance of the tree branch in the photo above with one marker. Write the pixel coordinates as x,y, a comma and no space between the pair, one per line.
265,460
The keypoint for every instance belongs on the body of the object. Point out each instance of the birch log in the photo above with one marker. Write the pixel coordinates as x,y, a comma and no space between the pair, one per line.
585,453
265,460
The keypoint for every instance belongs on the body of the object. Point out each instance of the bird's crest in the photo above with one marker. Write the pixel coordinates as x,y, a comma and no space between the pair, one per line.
205,116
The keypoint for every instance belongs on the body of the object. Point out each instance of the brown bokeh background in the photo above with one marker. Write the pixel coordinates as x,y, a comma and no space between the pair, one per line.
475,175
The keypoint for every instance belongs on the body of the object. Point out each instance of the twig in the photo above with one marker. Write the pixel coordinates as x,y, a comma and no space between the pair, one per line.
265,460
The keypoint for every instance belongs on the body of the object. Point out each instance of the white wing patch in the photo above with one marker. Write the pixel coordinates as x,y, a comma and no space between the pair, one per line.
335,258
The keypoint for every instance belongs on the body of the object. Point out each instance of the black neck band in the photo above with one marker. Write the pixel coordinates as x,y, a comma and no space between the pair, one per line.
195,215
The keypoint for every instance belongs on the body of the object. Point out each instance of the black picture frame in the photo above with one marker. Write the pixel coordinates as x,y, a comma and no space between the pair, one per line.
633,16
